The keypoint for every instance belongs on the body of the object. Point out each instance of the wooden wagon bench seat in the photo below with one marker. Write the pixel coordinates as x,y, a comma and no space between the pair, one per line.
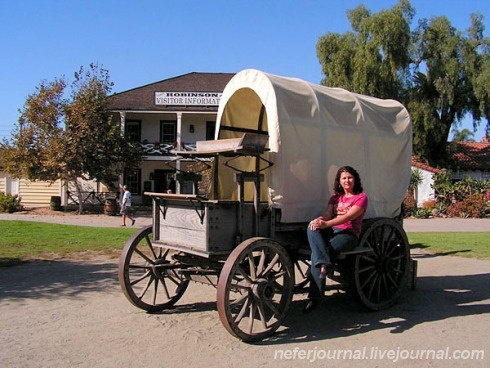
248,144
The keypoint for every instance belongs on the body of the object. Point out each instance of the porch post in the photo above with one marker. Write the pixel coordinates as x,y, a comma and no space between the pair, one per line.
179,130
122,116
179,147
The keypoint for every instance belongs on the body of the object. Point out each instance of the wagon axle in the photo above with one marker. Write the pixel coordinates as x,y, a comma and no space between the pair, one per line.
263,289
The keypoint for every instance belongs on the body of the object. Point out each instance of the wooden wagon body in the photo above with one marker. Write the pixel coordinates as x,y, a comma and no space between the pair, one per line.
279,142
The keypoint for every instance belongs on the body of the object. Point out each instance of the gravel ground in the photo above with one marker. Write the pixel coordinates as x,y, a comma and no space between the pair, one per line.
143,218
72,313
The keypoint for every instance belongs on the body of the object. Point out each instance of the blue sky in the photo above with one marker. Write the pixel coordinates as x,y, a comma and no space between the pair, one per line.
144,41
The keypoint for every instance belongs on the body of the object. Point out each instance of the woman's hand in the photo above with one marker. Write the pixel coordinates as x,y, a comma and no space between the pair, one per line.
318,223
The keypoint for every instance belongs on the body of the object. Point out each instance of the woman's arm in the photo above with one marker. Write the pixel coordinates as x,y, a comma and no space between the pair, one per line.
324,223
328,213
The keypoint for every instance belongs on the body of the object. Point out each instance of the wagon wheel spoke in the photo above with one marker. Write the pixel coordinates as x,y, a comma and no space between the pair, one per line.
387,239
369,259
371,268
260,267
150,247
253,300
238,287
368,280
246,277
392,249
155,292
302,269
144,267
373,287
251,318
138,266
239,299
243,310
272,306
400,257
263,319
143,291
139,279
386,280
253,274
272,264
380,277
380,239
174,278
165,289
278,287
391,280
144,256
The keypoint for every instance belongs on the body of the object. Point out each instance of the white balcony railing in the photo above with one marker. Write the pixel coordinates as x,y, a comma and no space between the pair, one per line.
163,149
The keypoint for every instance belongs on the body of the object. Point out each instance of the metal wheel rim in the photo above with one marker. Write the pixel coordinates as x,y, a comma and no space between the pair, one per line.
381,277
255,289
148,276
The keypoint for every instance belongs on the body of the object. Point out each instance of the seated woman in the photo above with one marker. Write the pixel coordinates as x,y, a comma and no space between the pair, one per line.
339,229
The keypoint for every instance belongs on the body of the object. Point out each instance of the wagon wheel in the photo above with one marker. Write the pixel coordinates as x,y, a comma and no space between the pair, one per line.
380,276
302,264
148,275
255,289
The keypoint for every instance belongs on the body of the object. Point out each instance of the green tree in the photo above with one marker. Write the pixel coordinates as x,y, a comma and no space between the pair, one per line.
440,74
374,58
70,138
464,135
416,179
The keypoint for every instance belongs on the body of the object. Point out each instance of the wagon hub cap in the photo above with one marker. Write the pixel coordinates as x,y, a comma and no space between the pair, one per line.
263,289
385,264
156,268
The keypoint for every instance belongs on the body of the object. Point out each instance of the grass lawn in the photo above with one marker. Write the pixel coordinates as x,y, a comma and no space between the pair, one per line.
476,245
23,240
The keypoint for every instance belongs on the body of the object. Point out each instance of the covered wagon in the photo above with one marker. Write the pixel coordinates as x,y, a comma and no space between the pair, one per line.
279,143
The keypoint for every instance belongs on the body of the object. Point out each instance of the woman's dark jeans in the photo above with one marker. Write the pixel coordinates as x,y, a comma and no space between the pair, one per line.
322,243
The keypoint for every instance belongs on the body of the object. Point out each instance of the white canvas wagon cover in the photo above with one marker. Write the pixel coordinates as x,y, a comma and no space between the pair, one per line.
313,130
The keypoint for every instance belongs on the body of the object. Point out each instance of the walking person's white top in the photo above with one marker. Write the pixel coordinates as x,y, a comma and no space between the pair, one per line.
126,198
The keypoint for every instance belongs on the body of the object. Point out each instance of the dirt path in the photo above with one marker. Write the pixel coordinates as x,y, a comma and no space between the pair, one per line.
143,218
72,313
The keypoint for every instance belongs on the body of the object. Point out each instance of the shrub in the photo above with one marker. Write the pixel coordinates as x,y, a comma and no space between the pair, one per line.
423,213
441,207
429,204
474,206
409,205
9,203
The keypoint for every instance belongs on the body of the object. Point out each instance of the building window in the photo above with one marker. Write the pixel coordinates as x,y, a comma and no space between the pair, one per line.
168,131
210,130
132,130
132,179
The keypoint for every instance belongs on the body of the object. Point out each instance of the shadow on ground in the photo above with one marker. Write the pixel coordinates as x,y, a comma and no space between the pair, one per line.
436,298
56,279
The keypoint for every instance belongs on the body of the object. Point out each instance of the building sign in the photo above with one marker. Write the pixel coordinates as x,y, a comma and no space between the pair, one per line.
188,98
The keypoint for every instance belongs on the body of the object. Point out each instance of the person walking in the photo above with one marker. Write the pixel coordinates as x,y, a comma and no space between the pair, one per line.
126,209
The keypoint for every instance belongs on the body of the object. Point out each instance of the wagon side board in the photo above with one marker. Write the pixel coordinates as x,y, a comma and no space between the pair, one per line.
204,228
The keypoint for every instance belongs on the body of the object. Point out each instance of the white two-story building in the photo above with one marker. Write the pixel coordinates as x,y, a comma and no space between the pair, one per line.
172,113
